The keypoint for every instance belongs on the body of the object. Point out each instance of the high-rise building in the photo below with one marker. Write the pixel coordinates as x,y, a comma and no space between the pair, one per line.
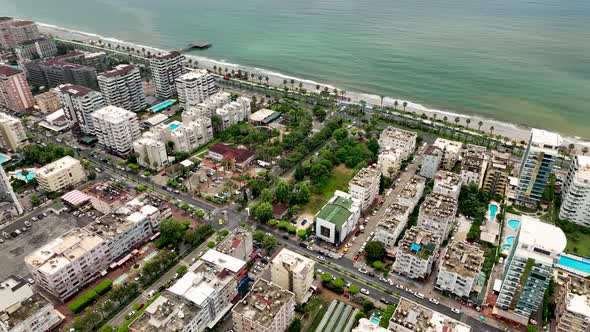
437,214
14,32
497,174
393,138
79,103
9,203
572,305
64,172
451,152
15,93
36,49
61,69
416,253
293,272
431,161
195,87
460,269
116,128
48,102
234,112
536,166
166,69
186,136
528,269
266,308
12,133
151,153
123,87
575,193
364,186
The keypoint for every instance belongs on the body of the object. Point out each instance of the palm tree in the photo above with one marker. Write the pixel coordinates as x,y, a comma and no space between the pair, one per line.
445,118
252,75
190,61
492,130
404,105
335,92
300,86
381,98
468,121
395,103
143,50
570,147
317,88
457,120
479,124
584,150
149,54
292,84
284,83
215,68
259,79
266,78
226,70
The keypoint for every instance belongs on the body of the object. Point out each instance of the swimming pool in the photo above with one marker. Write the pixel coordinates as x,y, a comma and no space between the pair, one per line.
513,223
174,125
581,264
509,241
3,159
30,176
120,279
375,317
161,106
493,211
150,256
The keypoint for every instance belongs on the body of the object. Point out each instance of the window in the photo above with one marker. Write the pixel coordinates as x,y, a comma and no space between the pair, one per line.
325,231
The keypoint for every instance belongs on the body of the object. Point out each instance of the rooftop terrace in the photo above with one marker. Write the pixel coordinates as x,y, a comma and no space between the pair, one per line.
419,242
366,177
416,317
463,258
397,133
168,313
263,302
438,205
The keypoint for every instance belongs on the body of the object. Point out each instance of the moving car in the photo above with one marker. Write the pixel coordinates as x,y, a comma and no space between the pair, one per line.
364,291
457,311
419,295
433,300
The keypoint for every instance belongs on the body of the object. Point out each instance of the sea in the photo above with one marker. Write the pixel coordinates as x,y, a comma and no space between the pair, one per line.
520,61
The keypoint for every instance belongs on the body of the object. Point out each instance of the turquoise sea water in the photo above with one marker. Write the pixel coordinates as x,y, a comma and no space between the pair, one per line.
523,61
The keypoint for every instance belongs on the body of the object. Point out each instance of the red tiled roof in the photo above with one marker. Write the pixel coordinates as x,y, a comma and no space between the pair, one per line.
229,153
279,209
122,70
21,23
63,57
235,243
74,90
8,71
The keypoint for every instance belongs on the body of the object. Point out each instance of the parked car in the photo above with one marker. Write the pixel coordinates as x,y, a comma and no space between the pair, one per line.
385,301
285,236
433,300
28,223
309,248
303,222
321,258
419,295
364,291
457,311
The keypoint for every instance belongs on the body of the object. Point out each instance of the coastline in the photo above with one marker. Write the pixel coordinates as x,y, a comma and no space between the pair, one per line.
515,132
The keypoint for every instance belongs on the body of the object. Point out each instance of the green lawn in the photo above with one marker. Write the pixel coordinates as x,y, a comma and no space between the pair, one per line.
338,180
578,244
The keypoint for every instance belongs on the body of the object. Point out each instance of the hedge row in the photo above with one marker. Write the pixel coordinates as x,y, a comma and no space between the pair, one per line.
104,287
88,298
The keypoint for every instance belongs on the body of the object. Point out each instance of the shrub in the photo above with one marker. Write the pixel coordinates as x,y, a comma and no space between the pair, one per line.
273,222
103,287
292,229
83,301
211,244
224,232
283,225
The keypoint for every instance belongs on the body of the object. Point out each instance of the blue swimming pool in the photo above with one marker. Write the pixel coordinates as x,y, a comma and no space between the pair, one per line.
513,223
581,264
3,159
376,317
493,211
30,176
161,106
174,126
509,241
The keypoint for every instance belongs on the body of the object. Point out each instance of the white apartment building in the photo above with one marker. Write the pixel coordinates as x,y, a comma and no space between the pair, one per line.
64,172
416,253
572,310
123,87
389,227
575,202
460,269
431,161
186,135
393,138
447,183
266,308
9,203
293,272
451,152
166,69
152,153
474,163
410,316
63,266
389,162
234,112
238,244
194,87
12,133
116,128
337,218
22,310
412,192
364,186
207,108
79,103
437,214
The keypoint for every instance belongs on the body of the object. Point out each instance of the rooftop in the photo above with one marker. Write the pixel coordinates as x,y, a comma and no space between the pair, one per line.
113,114
293,261
419,242
577,297
168,313
583,172
107,192
229,152
366,177
18,23
397,133
63,163
8,71
120,70
540,235
13,289
337,210
395,214
205,282
222,260
263,302
447,178
167,56
438,205
194,75
463,258
448,145
233,240
546,139
74,90
413,188
433,150
27,308
263,115
417,317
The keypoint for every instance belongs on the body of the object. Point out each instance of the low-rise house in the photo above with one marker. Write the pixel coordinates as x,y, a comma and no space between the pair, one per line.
337,218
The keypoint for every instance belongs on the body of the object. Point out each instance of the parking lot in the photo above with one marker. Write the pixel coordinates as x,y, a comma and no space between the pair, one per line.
41,231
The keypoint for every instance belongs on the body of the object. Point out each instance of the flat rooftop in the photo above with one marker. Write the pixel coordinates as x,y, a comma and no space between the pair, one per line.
107,192
168,313
438,205
366,177
295,262
463,258
224,261
419,242
193,75
583,173
236,238
413,188
448,145
120,70
545,139
447,178
397,133
433,150
577,298
27,308
416,317
541,235
337,211
263,302
61,164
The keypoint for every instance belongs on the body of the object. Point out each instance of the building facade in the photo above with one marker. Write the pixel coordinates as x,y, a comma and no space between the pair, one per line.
234,112
14,32
9,203
451,152
151,153
437,214
448,184
575,201
364,186
116,128
48,102
572,306
12,133
79,103
391,225
337,218
460,269
15,93
35,49
416,254
389,163
56,71
207,108
238,244
166,69
123,87
497,173
474,164
393,138
294,273
64,172
195,87
431,161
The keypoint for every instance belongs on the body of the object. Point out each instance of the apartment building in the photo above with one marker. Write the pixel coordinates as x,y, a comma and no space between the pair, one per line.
106,197
447,183
40,48
337,218
166,68
12,133
412,192
65,265
116,128
437,214
15,93
364,186
237,244
14,32
389,162
410,316
460,269
293,272
536,166
416,254
528,269
55,71
64,172
151,153
123,87
451,152
22,310
47,102
390,226
474,163
195,87
207,108
234,112
393,138
572,306
266,308
9,203
186,135
497,173
575,193
79,103
431,161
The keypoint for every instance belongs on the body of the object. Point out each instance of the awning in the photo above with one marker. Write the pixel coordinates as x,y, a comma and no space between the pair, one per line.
75,197
123,260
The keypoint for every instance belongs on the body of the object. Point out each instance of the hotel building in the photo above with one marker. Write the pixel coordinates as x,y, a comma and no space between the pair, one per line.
575,201
116,128
166,69
123,87
64,172
79,103
195,87
15,93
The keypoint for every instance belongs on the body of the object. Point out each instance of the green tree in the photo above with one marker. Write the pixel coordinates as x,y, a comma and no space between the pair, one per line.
266,195
35,200
302,233
258,236
359,315
373,146
283,225
171,231
368,305
375,251
340,134
295,326
269,243
326,277
263,211
210,244
318,172
292,229
354,289
282,191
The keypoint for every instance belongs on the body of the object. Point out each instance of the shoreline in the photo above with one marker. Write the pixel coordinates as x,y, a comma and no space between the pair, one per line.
515,132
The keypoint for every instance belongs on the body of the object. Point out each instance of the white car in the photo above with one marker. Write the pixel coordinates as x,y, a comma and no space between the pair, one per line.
309,248
419,295
455,310
319,271
364,291
433,300
321,258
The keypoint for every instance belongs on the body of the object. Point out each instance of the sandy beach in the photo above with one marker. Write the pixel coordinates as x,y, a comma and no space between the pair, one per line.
514,132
